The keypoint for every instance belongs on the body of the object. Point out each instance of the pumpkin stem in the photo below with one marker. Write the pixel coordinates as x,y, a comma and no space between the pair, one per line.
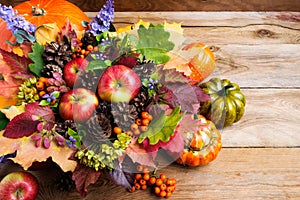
37,11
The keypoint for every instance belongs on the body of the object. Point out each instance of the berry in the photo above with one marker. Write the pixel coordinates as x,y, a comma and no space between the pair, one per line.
142,181
40,85
137,186
162,193
163,187
145,122
158,182
168,194
163,177
117,130
90,47
152,180
145,115
138,122
138,176
157,190
146,177
143,128
144,187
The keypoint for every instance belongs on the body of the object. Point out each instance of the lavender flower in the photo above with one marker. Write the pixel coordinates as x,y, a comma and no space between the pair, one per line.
71,142
14,21
103,19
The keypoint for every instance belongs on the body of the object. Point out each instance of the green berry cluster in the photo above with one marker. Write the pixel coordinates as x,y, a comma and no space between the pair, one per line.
122,142
101,160
28,92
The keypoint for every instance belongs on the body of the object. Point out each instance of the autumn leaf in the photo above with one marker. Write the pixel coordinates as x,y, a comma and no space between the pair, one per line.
138,153
174,145
13,111
13,71
46,33
162,127
15,65
123,173
27,152
36,57
83,177
26,123
181,91
170,75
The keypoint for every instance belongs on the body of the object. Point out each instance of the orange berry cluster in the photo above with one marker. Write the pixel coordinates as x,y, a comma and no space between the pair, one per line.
161,185
140,125
41,85
81,52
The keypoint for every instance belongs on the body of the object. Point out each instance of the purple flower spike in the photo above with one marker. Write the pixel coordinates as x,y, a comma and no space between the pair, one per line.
14,21
102,21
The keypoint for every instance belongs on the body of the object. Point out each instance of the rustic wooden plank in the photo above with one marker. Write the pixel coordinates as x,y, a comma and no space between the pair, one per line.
237,173
212,19
265,65
178,5
271,120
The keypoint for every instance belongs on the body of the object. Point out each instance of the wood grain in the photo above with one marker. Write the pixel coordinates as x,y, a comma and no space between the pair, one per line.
237,173
212,19
270,120
191,5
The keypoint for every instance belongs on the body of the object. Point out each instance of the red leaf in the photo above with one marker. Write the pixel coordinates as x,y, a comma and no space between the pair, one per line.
138,154
174,145
19,65
20,126
44,112
25,123
83,177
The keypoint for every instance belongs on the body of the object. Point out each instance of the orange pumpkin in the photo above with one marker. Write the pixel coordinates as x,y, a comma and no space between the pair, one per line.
195,60
202,146
40,12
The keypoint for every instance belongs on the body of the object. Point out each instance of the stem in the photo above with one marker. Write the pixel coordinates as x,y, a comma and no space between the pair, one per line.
37,11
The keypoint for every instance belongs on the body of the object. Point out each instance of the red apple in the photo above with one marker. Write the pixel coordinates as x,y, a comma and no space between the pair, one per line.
118,83
72,70
19,186
78,104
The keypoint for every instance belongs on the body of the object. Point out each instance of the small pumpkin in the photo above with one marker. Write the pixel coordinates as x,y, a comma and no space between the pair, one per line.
194,60
41,12
202,146
227,103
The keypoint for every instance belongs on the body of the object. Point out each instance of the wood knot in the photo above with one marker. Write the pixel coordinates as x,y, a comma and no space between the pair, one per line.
264,33
214,48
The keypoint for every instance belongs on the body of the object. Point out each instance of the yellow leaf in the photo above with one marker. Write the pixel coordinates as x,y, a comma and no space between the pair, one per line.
176,34
13,111
18,50
27,152
46,33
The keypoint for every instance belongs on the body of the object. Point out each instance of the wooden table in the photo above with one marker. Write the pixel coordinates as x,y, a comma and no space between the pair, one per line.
260,158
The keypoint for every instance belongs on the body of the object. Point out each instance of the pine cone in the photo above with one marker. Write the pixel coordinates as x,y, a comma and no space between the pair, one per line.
62,128
98,130
88,39
124,114
105,109
142,100
49,69
87,79
57,54
145,69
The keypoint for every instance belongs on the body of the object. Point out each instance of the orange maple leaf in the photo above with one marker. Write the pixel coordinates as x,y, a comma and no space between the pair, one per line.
27,152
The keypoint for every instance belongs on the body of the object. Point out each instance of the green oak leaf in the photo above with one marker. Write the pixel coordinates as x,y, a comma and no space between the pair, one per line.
3,121
154,43
162,127
36,57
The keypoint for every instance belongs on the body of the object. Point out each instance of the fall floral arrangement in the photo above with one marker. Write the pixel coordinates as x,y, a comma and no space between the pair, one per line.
95,99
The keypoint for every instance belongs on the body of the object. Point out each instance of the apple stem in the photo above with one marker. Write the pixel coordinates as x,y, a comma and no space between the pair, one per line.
19,194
